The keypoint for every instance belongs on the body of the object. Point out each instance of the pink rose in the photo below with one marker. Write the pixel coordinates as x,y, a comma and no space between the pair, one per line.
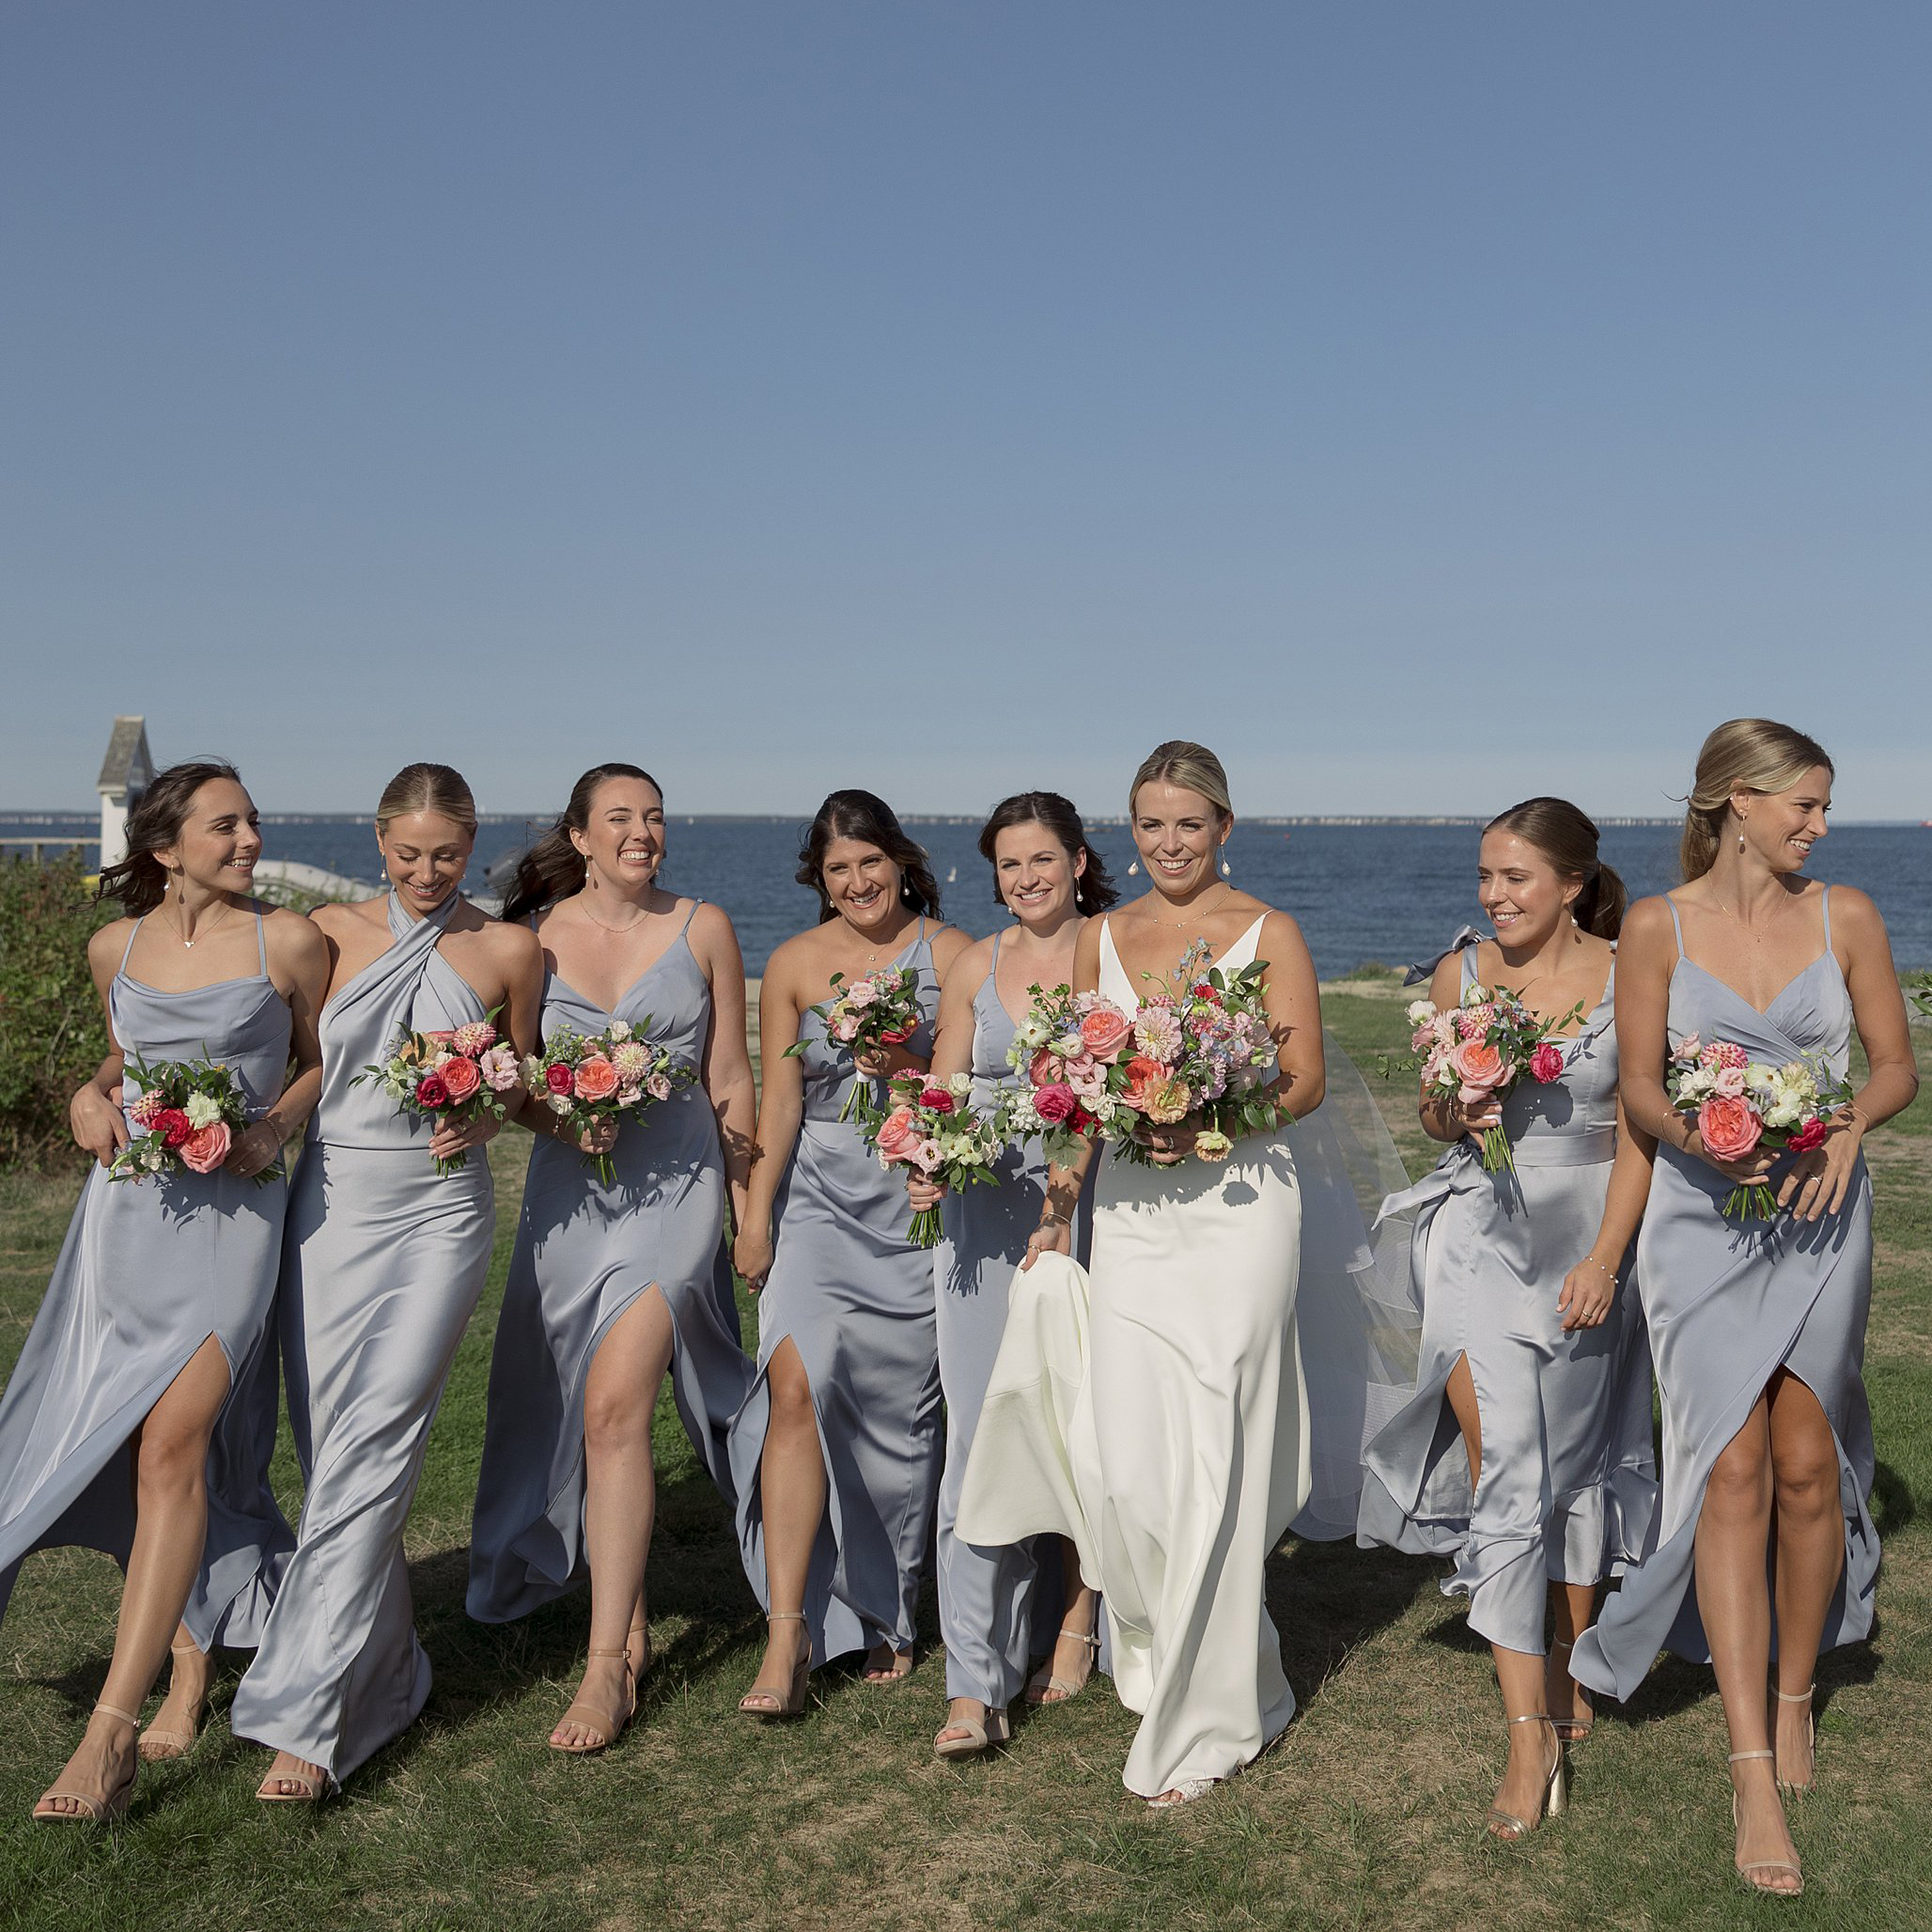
658,1085
1728,1128
1480,1067
896,1135
1812,1134
1545,1063
1055,1104
1043,1069
1688,1048
597,1079
205,1148
431,1091
845,1029
1104,1032
1729,1084
461,1079
862,992
559,1078
475,1040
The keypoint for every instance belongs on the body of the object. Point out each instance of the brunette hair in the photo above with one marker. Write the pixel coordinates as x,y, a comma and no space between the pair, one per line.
423,787
139,882
1193,766
554,868
864,815
1745,754
1093,889
1567,838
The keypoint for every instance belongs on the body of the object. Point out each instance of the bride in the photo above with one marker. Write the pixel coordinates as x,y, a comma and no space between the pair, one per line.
1155,1412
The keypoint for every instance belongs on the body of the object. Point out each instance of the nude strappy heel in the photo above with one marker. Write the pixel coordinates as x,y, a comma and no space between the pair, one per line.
604,1736
981,1733
1810,1738
1555,1789
793,1702
94,1811
1761,1864
1043,1684
1573,1730
155,1744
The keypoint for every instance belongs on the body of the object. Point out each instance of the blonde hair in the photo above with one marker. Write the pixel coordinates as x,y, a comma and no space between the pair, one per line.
1192,766
427,788
1743,755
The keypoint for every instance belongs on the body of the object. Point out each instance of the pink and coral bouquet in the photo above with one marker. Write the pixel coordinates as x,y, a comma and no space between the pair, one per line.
184,1120
1064,1055
1478,1050
1739,1105
614,1075
447,1078
929,1129
879,1010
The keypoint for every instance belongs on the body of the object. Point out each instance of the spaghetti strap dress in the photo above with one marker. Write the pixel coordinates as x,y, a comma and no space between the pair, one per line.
383,1260
1569,1487
585,1252
1728,1304
855,1296
148,1272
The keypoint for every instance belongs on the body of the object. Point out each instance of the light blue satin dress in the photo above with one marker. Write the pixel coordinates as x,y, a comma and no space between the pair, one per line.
382,1264
148,1272
855,1296
1569,1487
1728,1304
585,1252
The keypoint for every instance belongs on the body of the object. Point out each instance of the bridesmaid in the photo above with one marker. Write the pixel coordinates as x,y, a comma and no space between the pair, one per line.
1161,1419
1050,879
1531,1354
117,1431
839,1437
1767,1543
610,1286
383,1263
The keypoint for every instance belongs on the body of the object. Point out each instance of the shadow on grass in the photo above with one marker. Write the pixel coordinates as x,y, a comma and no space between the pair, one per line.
1327,1598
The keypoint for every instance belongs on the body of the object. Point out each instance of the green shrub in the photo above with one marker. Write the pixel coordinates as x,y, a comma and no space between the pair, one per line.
52,1030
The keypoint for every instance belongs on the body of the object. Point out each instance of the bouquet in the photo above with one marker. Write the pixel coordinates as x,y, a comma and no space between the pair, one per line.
1198,1052
604,1076
184,1120
1738,1103
448,1077
879,1010
928,1128
1481,1048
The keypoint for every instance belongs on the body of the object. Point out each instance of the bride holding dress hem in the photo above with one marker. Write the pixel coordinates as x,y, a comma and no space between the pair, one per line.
1155,1410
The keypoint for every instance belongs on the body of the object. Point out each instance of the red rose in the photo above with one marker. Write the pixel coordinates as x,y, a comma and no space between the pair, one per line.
1812,1134
1080,1120
431,1091
174,1126
1203,990
899,1036
558,1079
1545,1063
460,1079
936,1099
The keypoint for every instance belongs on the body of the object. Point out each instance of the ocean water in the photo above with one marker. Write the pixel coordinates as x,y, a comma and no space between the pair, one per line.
1387,892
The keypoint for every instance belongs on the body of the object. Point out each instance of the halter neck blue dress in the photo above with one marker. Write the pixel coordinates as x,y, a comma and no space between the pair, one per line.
855,1296
1569,1487
1729,1303
383,1260
149,1269
585,1252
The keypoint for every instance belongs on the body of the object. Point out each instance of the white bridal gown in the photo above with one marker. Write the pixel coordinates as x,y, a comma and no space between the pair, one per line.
1155,1412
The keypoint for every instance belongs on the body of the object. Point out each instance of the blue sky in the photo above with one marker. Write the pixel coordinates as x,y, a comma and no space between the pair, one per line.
1424,405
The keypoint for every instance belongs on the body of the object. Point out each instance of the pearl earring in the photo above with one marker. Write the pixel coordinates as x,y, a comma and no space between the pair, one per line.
1133,871
1227,870
1740,841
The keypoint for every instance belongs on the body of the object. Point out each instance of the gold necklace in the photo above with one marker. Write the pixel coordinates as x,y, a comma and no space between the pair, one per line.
1228,892
618,930
187,943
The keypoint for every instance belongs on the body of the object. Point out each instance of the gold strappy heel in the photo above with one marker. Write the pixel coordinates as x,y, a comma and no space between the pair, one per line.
1555,1790
793,1702
1573,1730
1043,1687
155,1744
1811,1741
1761,1864
607,1733
95,1810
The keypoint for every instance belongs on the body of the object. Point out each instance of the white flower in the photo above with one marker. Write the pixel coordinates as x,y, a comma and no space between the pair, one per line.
961,1085
620,1029
559,1103
1420,1012
1477,995
202,1110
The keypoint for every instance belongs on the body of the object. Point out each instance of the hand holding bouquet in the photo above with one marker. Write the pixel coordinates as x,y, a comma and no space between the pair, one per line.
930,1131
879,1010
1739,1105
1064,1051
1476,1052
448,1079
185,1120
614,1076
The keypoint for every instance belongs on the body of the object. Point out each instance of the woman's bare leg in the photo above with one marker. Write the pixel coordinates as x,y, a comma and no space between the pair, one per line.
792,1486
1808,1554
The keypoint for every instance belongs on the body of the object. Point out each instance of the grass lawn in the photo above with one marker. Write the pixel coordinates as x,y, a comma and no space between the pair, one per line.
1366,1814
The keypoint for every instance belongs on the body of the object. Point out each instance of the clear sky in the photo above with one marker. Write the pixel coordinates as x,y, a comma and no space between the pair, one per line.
1422,404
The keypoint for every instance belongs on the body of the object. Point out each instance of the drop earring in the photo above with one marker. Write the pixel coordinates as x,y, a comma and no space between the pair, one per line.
1133,871
1227,870
1740,841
